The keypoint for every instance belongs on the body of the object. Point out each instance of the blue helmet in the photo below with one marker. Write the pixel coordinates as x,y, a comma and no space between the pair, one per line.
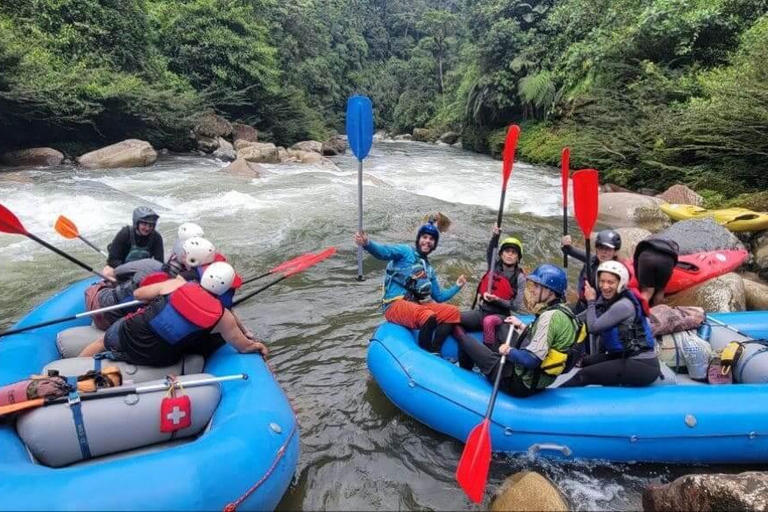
428,229
550,276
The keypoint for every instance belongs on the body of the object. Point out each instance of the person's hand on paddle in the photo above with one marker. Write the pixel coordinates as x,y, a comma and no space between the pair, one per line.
361,239
515,322
589,292
489,297
505,349
496,230
109,272
565,241
461,281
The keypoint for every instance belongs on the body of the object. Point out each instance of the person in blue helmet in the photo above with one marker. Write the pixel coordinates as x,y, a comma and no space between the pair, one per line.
135,242
544,349
412,294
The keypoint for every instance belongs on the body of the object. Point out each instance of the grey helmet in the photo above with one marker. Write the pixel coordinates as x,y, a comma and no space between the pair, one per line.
608,238
144,214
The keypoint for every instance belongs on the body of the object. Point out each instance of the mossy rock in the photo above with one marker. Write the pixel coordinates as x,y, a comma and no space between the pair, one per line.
756,201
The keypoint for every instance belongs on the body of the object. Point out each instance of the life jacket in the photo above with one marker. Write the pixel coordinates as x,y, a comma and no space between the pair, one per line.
414,278
187,311
556,361
504,283
631,336
136,252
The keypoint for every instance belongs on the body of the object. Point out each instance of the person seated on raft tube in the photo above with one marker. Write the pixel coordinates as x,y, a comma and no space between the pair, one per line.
135,242
654,261
409,281
507,293
179,318
620,318
194,253
607,245
544,347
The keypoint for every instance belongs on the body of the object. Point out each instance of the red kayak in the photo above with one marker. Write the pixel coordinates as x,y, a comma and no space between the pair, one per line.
693,269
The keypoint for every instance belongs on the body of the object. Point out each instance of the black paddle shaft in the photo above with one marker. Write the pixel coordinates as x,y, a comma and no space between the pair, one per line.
565,232
256,292
65,255
44,324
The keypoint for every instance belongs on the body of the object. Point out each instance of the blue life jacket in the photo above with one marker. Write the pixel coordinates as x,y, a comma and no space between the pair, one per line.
187,311
414,278
631,336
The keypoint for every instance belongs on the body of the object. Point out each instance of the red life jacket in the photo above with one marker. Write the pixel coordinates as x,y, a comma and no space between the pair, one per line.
503,288
153,278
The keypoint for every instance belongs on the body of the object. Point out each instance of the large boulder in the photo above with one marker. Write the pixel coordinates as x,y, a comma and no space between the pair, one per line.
225,151
626,209
697,235
242,168
424,135
128,153
242,143
630,237
449,137
759,245
756,295
528,490
207,144
244,132
680,194
308,145
744,491
404,137
212,126
260,152
33,157
612,187
336,145
380,135
723,293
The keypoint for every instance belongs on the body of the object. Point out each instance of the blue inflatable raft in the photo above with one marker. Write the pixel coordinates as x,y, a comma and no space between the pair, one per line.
677,420
245,459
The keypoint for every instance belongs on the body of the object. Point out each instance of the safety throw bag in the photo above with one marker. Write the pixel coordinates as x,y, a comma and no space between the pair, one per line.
667,320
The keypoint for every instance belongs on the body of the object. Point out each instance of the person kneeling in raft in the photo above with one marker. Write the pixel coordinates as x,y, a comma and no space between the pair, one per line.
409,281
547,346
179,319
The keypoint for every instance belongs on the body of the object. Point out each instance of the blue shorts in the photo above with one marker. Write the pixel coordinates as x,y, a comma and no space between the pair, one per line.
112,337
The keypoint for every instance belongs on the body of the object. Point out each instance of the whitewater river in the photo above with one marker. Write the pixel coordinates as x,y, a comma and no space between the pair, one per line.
358,452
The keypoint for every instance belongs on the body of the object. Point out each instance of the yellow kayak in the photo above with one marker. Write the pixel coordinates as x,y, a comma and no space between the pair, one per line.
735,219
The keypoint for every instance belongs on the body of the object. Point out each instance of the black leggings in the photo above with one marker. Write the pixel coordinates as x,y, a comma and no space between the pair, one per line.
473,353
608,370
654,269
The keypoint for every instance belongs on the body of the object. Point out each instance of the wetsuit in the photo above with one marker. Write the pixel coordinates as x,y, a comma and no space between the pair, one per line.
128,246
626,339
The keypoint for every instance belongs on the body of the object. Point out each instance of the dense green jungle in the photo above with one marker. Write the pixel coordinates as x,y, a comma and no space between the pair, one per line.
650,92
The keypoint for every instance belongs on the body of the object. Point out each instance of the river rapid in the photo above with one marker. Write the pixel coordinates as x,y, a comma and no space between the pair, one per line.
358,451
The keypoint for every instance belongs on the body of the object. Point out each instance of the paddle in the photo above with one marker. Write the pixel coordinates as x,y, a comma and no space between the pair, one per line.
9,223
510,144
360,137
565,164
585,189
283,266
73,317
309,262
472,472
68,229
121,391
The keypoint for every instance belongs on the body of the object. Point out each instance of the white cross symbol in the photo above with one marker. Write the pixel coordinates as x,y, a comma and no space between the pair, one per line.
176,415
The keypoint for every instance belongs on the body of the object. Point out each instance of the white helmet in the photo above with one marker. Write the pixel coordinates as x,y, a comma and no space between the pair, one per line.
197,251
189,230
617,269
218,278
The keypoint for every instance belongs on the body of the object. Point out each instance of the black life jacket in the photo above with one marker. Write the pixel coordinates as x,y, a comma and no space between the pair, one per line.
630,337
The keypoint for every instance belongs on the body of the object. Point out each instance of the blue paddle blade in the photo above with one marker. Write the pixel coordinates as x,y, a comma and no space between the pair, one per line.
360,125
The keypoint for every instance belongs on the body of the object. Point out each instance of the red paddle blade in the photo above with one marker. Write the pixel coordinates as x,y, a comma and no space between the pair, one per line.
472,473
309,262
9,223
66,227
292,262
565,166
510,145
585,188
